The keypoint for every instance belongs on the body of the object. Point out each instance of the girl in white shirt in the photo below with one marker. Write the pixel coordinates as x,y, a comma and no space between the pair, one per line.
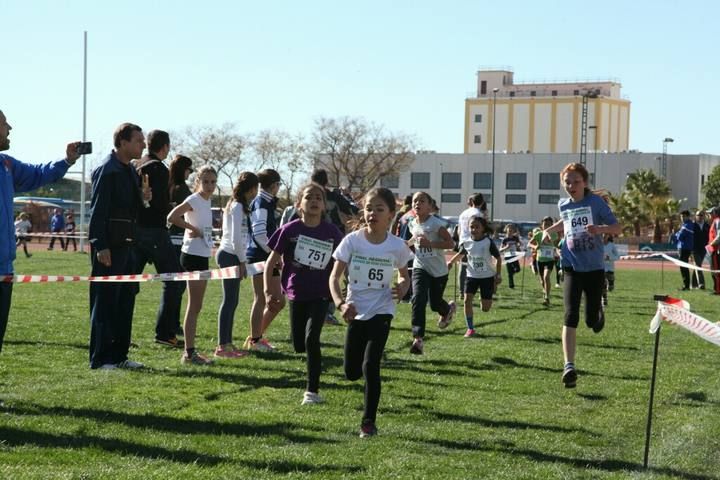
370,255
236,219
195,252
22,225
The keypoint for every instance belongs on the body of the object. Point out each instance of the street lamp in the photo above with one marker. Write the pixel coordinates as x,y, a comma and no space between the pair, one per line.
492,175
594,129
664,156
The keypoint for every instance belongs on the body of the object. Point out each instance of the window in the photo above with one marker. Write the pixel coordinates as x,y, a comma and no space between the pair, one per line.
576,92
512,94
482,180
591,179
478,139
478,118
532,93
514,198
452,180
702,180
483,87
548,199
419,180
516,181
450,198
554,93
549,181
390,181
487,197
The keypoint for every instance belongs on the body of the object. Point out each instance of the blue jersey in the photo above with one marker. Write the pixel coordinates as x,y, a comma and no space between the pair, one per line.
581,250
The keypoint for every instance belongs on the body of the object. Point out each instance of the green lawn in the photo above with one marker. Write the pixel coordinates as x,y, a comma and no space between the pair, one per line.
490,407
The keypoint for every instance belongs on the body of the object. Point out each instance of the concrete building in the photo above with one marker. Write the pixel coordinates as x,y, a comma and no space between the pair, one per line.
544,117
528,185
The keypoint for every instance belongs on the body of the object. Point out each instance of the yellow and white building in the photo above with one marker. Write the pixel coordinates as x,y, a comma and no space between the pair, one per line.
544,117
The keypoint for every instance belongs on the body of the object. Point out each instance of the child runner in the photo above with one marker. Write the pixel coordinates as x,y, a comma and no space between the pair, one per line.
236,222
545,254
481,273
196,251
510,245
22,225
70,230
585,217
305,247
430,272
371,254
611,255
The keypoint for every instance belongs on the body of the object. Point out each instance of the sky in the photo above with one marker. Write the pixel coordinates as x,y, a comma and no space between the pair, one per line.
407,65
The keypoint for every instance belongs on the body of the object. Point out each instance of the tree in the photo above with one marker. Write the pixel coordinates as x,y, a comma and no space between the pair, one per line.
221,147
711,189
357,153
285,153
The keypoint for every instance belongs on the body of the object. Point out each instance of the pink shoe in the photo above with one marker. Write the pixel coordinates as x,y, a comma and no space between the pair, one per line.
229,351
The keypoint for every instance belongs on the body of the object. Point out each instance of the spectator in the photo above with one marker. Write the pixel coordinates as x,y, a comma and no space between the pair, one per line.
700,239
684,242
57,225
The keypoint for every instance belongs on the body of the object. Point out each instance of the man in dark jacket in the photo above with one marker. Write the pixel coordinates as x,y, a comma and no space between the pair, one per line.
700,240
153,239
116,200
684,241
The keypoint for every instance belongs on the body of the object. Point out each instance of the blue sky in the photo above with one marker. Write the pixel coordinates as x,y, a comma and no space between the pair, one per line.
405,64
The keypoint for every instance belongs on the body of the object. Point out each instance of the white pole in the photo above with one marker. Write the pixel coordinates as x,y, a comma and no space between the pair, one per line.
84,139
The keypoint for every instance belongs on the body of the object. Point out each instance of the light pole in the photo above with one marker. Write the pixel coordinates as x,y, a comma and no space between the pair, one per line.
664,156
594,129
492,175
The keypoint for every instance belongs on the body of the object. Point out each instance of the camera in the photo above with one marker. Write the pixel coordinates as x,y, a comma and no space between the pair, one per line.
84,148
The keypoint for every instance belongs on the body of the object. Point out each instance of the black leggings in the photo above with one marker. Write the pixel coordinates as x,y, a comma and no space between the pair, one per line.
576,283
364,345
426,287
306,322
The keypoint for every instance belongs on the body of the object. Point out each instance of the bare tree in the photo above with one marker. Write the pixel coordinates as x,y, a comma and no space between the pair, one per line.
221,147
357,153
285,153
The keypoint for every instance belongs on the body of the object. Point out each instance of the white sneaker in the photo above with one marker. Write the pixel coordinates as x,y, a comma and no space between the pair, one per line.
130,365
311,398
108,366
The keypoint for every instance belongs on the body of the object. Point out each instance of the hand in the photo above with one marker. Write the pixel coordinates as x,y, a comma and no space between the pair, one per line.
423,241
195,232
399,291
498,280
273,303
349,312
545,237
71,153
103,257
242,271
593,229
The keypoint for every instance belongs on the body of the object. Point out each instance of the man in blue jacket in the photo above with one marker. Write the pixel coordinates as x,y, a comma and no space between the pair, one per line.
684,241
57,225
20,177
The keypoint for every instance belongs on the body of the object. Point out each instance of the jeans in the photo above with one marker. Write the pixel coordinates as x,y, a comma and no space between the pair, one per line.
576,283
364,346
230,298
426,287
306,322
697,279
5,300
153,246
111,308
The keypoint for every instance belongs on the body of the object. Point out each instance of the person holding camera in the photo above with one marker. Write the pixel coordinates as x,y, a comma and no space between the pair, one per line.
20,177
116,199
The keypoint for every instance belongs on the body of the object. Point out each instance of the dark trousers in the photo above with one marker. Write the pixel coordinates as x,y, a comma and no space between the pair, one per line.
696,278
67,244
592,285
426,287
153,246
52,242
685,272
111,308
512,269
5,300
230,298
364,346
715,265
306,322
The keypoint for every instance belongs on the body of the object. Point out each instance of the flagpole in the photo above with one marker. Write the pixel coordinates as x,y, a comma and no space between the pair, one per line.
652,388
84,139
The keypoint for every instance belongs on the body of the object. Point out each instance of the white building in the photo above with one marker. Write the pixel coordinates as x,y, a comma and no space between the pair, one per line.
544,117
528,185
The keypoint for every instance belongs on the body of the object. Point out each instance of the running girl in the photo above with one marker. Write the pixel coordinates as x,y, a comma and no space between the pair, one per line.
585,217
305,247
371,254
236,222
22,226
510,246
545,254
611,255
196,251
481,273
430,271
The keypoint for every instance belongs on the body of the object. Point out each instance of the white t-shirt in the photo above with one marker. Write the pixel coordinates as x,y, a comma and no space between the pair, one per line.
464,222
371,271
235,231
201,217
22,227
432,260
480,257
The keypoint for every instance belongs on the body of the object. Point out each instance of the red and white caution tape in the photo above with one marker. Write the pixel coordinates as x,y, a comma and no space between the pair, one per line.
639,257
677,312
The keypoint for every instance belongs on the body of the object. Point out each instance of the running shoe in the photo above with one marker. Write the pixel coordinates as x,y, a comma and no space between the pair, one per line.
170,342
311,398
569,377
228,351
261,345
130,365
445,320
600,324
195,359
368,429
417,346
470,333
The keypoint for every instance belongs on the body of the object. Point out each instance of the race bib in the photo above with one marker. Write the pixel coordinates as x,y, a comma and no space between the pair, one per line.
477,264
207,236
371,272
423,252
547,252
312,252
576,221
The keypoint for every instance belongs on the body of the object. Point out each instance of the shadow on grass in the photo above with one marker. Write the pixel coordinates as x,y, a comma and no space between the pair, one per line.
695,399
43,343
171,424
592,397
14,437
509,362
508,424
285,467
556,341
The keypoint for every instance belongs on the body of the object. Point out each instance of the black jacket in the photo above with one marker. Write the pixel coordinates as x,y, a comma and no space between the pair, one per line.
155,216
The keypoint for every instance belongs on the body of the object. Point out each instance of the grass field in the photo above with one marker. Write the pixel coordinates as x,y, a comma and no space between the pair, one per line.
489,407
